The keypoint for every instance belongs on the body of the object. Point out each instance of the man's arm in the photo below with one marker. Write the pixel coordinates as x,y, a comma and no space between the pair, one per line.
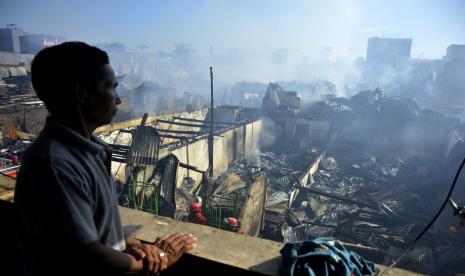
73,201
109,259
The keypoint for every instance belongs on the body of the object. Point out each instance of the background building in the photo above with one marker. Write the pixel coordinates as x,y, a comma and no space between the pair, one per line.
387,64
455,51
383,53
33,43
9,38
450,83
15,40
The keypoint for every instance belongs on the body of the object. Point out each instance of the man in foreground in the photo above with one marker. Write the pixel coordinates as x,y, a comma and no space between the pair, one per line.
67,214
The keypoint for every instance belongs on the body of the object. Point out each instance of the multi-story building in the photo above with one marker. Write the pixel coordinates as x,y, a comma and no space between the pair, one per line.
450,84
33,43
9,38
383,53
15,40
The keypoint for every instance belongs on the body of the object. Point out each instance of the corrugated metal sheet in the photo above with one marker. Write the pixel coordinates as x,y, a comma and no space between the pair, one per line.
232,183
144,147
10,130
277,198
169,167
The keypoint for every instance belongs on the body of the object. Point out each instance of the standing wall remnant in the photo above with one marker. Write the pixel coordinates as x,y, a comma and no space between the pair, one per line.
253,209
229,145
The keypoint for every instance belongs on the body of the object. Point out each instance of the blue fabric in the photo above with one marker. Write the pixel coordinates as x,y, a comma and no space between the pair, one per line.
323,256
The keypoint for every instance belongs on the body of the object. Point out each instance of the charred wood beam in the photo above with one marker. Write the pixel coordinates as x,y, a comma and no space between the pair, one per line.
185,124
121,150
319,224
189,167
179,131
120,153
118,159
175,136
341,199
144,119
126,130
122,147
202,121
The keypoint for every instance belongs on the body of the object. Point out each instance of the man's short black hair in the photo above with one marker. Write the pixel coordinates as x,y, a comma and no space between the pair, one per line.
57,71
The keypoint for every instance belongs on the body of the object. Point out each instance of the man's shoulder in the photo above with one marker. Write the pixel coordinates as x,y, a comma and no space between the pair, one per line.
47,150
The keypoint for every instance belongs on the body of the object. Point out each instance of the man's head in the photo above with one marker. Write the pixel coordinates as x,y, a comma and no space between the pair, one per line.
75,79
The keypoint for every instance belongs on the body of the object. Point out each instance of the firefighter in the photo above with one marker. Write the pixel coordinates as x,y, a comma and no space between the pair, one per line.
14,159
233,225
195,212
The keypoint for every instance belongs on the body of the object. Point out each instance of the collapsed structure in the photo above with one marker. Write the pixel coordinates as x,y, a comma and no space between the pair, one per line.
378,178
163,163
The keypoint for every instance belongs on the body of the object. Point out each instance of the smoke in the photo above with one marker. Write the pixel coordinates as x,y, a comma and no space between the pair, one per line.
174,44
271,132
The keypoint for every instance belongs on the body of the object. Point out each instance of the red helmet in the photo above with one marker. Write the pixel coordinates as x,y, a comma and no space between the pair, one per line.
14,158
231,222
196,207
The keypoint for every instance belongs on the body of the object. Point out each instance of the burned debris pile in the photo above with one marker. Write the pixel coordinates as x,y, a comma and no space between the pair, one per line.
386,168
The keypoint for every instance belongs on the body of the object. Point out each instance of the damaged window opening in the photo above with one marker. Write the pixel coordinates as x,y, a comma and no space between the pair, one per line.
332,131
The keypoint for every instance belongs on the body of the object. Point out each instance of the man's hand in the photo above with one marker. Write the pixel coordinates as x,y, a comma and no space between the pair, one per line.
136,265
134,247
175,245
153,258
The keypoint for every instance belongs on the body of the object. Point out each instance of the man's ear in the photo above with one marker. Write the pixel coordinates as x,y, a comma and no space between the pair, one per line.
81,94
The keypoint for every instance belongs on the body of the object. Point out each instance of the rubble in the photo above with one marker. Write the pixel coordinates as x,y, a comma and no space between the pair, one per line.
377,184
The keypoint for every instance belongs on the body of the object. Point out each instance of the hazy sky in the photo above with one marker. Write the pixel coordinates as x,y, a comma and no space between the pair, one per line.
304,26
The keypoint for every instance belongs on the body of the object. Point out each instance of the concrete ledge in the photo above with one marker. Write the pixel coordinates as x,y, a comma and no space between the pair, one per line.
253,255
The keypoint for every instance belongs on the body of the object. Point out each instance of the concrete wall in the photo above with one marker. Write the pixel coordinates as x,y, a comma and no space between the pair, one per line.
227,146
252,134
12,71
305,131
318,130
194,154
7,58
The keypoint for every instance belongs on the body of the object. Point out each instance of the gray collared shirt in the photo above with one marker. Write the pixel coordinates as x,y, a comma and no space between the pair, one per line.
65,195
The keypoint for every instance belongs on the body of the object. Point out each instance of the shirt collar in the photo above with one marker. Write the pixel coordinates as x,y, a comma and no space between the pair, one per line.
94,145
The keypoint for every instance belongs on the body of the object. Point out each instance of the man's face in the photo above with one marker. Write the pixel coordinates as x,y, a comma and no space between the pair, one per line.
100,105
